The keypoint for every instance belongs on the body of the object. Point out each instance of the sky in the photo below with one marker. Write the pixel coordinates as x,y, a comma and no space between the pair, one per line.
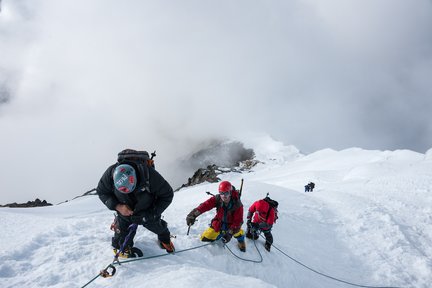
82,80
367,222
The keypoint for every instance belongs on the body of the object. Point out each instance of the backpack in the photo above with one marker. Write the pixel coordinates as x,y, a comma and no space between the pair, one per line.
273,204
141,159
134,155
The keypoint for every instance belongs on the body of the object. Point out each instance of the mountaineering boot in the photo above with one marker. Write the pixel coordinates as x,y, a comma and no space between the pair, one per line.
169,247
129,252
120,255
267,246
125,254
205,239
242,246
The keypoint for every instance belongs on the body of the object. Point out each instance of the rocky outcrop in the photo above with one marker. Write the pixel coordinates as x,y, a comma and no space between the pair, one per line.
36,203
208,174
212,172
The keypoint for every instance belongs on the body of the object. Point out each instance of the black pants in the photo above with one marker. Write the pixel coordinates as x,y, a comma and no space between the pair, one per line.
158,226
253,234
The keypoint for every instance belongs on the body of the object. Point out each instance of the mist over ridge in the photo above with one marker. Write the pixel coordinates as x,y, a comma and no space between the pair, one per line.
80,81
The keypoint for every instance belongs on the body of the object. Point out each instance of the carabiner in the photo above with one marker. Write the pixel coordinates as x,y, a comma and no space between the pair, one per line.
106,274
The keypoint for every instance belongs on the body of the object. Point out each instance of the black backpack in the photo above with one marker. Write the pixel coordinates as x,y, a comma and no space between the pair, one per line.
273,204
136,156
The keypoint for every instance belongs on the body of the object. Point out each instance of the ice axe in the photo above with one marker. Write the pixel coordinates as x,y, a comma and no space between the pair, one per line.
188,230
241,188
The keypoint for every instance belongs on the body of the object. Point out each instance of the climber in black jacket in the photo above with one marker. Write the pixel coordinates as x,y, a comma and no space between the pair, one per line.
139,194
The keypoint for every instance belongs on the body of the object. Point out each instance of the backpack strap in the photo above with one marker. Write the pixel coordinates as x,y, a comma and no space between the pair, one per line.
145,171
268,212
270,202
218,202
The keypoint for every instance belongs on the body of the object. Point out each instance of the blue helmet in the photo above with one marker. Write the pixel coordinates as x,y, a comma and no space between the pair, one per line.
124,178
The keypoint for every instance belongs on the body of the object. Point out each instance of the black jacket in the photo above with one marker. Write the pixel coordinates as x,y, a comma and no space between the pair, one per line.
143,203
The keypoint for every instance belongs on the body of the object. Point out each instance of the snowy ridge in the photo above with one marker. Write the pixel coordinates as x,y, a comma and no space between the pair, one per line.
368,222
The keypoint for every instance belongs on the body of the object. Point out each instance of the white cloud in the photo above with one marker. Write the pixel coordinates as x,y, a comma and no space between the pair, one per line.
87,79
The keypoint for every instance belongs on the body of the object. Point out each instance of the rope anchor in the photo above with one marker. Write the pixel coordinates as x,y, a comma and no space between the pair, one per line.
106,274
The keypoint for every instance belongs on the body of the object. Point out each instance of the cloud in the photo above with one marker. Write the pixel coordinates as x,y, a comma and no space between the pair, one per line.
84,80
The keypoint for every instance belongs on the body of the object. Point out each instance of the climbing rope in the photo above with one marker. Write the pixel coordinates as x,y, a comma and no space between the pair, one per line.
244,259
111,266
106,273
325,275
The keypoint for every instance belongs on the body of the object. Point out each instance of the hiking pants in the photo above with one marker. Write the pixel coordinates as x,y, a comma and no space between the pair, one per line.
210,235
158,226
253,233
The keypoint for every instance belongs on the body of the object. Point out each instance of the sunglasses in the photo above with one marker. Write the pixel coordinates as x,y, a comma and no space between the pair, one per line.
225,194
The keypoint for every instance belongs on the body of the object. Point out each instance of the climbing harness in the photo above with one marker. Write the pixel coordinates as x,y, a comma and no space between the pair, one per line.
328,276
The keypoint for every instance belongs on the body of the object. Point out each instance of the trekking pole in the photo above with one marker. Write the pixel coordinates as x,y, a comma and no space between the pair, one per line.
209,193
188,230
241,188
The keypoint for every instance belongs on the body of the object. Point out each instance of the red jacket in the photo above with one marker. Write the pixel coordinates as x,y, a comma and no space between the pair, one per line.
259,209
233,212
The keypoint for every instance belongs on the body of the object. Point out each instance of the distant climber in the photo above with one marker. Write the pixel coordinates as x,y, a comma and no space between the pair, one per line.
309,187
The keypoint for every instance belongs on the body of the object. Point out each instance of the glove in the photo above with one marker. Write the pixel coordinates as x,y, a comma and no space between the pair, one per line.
226,238
191,217
249,223
254,227
190,220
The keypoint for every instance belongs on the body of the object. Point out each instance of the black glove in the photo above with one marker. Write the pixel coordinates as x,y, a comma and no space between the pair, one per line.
254,227
249,223
190,220
227,237
191,217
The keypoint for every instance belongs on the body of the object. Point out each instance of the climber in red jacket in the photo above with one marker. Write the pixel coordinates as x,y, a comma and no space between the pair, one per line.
261,217
228,219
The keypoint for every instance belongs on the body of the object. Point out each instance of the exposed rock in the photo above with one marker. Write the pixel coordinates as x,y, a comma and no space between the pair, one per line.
211,173
248,164
208,174
36,203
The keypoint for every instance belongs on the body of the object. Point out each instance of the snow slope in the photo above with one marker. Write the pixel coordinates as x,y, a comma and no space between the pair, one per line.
368,222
